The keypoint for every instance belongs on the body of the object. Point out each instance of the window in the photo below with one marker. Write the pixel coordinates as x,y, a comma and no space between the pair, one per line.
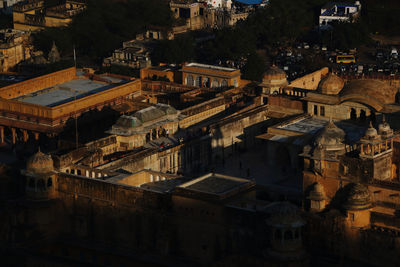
315,110
49,182
322,111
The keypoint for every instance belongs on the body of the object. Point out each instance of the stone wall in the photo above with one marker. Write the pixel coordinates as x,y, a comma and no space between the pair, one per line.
310,81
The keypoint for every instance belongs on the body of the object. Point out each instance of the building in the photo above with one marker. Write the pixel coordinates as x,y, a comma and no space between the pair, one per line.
5,5
44,104
147,209
343,12
38,14
133,54
15,47
202,75
145,125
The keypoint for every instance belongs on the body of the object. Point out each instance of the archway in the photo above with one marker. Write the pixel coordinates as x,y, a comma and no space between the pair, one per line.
189,80
353,114
363,115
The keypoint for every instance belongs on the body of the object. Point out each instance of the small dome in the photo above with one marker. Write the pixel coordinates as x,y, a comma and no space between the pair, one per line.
274,73
318,192
284,214
371,133
384,129
330,135
40,163
373,90
358,197
331,85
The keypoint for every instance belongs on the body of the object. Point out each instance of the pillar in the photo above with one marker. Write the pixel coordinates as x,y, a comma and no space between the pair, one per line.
14,136
26,136
2,134
36,135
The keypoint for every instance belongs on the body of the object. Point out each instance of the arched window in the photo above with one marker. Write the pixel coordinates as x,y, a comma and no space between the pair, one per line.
224,83
198,81
363,115
206,82
353,114
49,182
189,80
288,235
215,83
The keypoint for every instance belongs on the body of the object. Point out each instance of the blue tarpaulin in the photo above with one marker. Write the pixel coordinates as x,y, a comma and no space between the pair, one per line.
250,2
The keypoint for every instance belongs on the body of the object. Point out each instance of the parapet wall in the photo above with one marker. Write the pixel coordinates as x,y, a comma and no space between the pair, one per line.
310,81
35,84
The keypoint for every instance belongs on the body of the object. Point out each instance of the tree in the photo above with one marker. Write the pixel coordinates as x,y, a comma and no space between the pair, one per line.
254,68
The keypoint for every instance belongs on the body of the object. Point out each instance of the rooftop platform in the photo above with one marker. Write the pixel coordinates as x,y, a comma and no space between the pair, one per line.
216,184
70,90
210,67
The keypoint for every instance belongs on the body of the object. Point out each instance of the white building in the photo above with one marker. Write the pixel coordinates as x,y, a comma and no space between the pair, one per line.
333,11
220,3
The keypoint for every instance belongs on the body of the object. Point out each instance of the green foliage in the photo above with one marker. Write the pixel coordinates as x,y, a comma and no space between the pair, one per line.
382,16
118,69
346,35
104,25
176,51
254,68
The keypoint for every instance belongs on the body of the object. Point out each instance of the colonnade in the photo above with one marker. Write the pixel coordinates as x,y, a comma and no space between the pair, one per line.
14,134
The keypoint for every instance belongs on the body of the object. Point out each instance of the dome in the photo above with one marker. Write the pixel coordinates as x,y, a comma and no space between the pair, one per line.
384,129
39,163
358,197
318,192
274,73
369,92
371,133
331,85
284,214
330,135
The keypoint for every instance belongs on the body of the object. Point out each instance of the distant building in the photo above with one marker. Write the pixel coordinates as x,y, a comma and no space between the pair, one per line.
15,46
37,14
202,75
133,54
344,12
5,5
44,104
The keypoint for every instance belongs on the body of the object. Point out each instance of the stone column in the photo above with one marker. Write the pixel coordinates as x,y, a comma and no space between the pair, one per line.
14,136
26,136
2,134
36,134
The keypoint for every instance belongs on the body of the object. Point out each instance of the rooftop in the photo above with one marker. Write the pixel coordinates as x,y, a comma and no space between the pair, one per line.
212,67
215,184
68,91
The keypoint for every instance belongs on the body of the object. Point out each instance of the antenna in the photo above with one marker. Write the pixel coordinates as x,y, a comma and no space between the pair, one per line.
74,57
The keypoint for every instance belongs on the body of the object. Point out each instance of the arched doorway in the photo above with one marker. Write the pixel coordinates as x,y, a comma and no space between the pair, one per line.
353,114
363,115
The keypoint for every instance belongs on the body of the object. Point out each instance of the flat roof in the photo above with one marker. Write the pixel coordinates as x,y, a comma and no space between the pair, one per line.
68,91
311,125
205,66
215,184
305,125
